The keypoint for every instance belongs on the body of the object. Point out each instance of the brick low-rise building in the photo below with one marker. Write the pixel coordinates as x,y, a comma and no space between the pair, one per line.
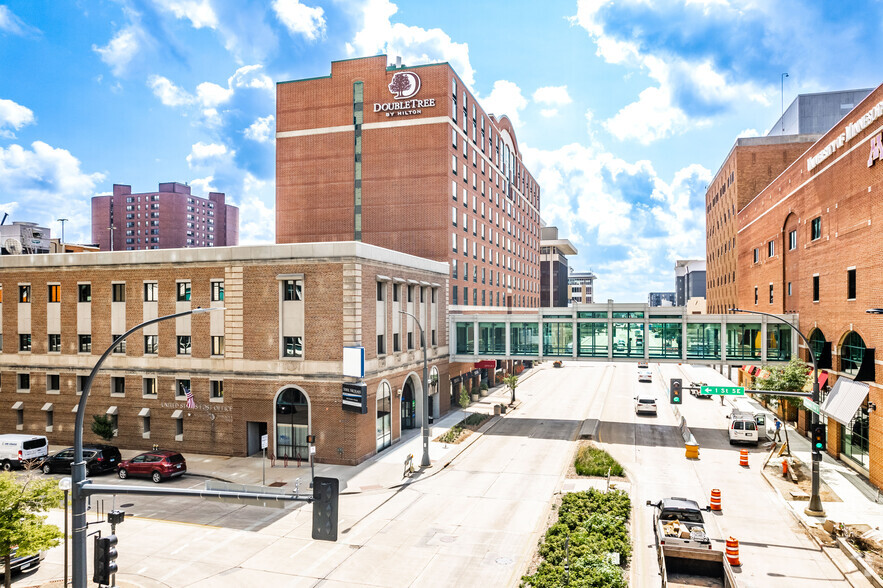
269,363
809,242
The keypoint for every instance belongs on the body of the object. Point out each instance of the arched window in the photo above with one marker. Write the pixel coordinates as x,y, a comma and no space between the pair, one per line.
384,416
292,424
851,353
817,342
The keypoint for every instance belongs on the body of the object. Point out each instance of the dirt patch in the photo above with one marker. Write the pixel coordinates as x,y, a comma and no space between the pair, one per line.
804,481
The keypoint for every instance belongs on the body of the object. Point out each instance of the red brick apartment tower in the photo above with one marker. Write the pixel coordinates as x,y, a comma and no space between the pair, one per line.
406,158
810,242
169,218
749,167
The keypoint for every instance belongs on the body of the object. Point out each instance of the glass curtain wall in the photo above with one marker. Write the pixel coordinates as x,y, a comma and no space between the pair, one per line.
465,339
665,340
778,342
592,339
384,419
743,341
558,339
524,339
492,338
628,339
703,341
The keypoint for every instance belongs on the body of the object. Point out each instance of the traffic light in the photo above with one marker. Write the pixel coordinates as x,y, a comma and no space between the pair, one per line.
105,554
325,493
676,390
819,440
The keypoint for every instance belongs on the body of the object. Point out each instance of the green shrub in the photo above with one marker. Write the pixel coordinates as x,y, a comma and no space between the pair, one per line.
452,434
463,400
475,419
102,425
484,386
591,461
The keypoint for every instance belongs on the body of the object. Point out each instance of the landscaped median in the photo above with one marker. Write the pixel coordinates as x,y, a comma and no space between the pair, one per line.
459,432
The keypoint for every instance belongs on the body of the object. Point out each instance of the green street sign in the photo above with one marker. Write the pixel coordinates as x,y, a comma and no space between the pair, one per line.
811,406
722,390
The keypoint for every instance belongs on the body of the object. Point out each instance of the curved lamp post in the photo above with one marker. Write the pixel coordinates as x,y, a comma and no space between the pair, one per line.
814,508
424,462
78,469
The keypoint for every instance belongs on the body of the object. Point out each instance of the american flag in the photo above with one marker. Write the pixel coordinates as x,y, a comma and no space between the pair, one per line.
190,402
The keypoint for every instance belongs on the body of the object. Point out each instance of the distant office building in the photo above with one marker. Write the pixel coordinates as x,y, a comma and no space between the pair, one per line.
815,114
20,237
689,280
553,268
581,287
169,218
661,299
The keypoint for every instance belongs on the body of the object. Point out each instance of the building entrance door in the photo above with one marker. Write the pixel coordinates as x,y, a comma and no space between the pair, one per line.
254,431
292,424
409,406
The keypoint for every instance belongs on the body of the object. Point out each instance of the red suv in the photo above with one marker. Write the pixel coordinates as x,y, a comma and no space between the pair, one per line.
156,465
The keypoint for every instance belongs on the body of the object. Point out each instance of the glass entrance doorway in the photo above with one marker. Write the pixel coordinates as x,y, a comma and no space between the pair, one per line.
292,424
409,406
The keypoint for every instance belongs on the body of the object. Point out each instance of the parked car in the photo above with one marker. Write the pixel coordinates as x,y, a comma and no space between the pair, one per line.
99,459
643,365
25,563
156,465
645,376
645,403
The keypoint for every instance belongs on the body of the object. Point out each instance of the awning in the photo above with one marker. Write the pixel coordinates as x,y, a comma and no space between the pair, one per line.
178,414
145,412
747,368
113,410
18,405
845,399
47,406
74,409
823,377
381,278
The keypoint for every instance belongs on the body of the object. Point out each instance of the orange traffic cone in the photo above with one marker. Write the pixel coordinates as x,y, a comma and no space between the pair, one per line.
743,458
715,499
784,467
733,551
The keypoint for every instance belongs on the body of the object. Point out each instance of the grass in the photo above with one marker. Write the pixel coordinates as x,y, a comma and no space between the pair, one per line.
591,461
472,422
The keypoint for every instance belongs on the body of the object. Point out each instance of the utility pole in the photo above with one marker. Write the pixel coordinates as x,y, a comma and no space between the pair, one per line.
424,462
62,221
784,75
111,229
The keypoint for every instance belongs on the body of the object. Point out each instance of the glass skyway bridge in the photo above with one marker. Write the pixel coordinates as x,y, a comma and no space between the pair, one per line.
614,332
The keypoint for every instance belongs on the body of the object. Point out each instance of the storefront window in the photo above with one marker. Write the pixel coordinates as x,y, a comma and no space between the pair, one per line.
778,342
384,420
292,424
703,341
592,339
524,339
743,341
592,314
851,353
465,338
492,338
628,339
856,437
558,339
665,340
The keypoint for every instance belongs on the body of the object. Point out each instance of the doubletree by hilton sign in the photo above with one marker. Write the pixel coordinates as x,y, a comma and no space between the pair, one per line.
403,87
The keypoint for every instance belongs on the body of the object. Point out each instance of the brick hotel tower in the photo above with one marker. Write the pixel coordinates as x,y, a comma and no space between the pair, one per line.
406,158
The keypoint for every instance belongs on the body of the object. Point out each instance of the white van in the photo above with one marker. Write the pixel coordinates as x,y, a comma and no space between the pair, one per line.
743,428
16,450
766,421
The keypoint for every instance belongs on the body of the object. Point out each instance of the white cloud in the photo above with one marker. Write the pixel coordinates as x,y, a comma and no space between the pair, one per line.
204,154
251,76
13,115
10,23
301,19
257,219
168,93
261,130
121,49
652,117
748,133
505,99
549,112
414,45
203,185
552,95
199,12
211,94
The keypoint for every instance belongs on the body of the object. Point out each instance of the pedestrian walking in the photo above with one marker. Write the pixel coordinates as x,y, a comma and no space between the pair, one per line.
778,430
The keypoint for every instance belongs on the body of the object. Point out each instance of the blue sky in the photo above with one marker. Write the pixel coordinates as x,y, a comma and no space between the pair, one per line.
624,109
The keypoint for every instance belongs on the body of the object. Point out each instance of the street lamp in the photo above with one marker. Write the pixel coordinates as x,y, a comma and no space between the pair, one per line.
424,462
62,221
814,509
78,469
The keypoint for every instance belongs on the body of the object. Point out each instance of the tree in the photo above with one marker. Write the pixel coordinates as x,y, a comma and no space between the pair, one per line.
791,377
22,528
511,380
102,425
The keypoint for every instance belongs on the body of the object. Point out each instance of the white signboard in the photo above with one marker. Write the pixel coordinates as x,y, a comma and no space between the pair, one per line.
264,442
354,362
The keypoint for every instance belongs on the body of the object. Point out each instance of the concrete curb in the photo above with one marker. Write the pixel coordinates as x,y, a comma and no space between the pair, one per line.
859,562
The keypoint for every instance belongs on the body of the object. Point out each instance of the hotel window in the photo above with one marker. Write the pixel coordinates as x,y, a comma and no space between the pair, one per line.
183,291
179,428
474,227
454,243
292,290
148,387
465,296
183,344
217,291
118,292
54,343
151,292
151,344
454,162
396,347
24,294
475,297
410,293
454,190
850,284
410,341
755,296
454,137
771,248
454,215
815,288
454,269
54,293
466,271
292,347
792,240
381,345
395,292
118,386
49,418
816,228
24,382
121,346
756,255
771,293
454,295
181,388
217,345
216,388
84,343
465,218
24,342
84,292
454,100
789,288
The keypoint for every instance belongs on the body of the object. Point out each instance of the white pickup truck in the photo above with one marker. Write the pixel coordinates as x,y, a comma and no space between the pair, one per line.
679,522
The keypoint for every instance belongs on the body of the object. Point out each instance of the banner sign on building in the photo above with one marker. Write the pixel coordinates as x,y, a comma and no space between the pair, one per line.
355,397
849,133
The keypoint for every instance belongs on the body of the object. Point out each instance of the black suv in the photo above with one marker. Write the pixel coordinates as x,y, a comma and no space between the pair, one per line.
99,459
